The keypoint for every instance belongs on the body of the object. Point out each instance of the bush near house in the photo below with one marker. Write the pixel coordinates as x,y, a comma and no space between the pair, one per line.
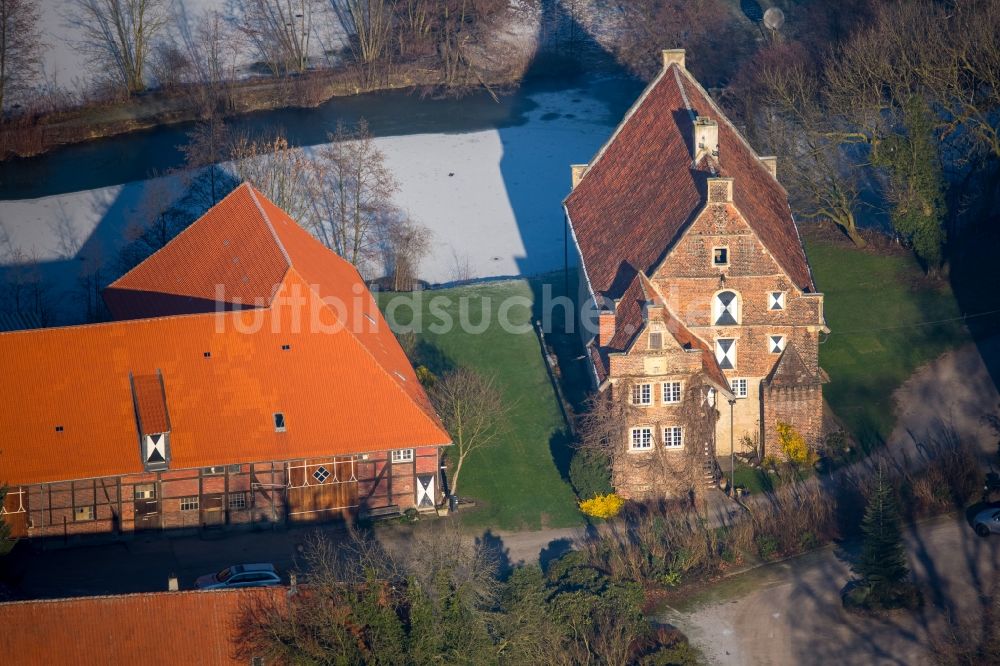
589,473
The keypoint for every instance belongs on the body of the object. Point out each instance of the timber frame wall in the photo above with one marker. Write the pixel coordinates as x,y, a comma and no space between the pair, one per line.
249,494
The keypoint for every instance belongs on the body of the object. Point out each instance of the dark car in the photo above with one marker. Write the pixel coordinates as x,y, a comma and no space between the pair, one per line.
240,575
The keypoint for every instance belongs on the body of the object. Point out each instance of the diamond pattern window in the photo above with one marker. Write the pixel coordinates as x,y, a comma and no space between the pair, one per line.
725,353
726,309
673,437
642,394
642,439
321,474
671,393
739,387
776,300
776,343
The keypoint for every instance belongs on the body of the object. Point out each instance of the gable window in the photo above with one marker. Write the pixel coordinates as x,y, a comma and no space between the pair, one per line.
81,513
642,394
720,256
402,456
671,393
739,387
642,438
725,353
776,300
726,309
190,503
656,340
673,437
279,422
776,343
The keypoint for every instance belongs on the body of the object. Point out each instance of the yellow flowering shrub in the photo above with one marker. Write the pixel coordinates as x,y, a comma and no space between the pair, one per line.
603,506
793,444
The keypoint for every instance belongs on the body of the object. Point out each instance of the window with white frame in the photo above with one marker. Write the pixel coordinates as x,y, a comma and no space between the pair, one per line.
642,438
725,353
189,503
671,393
776,300
776,343
739,387
673,437
402,456
642,394
726,309
81,513
237,501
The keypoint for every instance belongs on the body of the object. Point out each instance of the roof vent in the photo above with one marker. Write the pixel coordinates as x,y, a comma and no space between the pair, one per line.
285,347
59,428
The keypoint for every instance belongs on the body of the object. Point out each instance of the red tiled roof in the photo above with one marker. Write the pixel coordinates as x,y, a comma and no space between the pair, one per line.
343,384
642,189
156,628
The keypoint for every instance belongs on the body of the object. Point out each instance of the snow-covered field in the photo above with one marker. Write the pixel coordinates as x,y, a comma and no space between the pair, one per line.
492,200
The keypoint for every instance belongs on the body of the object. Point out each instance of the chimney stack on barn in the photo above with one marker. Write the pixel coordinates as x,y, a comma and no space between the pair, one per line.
172,584
771,162
673,57
576,173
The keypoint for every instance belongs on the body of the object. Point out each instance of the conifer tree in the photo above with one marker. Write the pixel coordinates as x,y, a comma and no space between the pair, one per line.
882,565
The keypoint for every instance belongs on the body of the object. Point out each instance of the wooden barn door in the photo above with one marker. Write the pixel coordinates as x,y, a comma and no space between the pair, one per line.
322,490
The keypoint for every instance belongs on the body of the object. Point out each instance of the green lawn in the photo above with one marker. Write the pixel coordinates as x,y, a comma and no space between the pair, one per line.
878,309
516,483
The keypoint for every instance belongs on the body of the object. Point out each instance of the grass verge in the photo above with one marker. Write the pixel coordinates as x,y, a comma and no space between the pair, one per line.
515,483
885,319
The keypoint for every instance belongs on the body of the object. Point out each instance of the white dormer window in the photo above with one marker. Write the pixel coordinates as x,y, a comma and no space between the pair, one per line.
776,300
776,343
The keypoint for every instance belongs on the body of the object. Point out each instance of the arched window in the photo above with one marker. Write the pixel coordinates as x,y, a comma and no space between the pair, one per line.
726,309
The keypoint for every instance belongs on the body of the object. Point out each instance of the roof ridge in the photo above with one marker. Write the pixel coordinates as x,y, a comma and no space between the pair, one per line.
267,220
131,595
367,351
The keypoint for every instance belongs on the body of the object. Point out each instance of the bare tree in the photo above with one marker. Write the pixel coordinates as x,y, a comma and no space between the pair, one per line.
354,191
279,31
404,243
208,145
368,24
20,48
472,410
282,173
118,35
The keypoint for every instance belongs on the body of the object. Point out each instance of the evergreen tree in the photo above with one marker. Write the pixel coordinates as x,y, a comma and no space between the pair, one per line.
916,182
882,565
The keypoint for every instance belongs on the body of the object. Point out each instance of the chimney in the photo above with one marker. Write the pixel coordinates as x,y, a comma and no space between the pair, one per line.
576,173
172,585
672,57
771,162
605,326
720,190
706,138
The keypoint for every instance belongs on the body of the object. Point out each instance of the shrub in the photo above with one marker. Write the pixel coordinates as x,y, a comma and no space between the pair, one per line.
767,546
794,446
426,378
589,473
603,506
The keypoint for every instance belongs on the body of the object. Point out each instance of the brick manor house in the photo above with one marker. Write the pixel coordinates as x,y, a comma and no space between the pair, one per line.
706,315
230,389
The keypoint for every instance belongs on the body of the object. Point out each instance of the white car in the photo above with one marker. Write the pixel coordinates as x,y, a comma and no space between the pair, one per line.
987,522
240,575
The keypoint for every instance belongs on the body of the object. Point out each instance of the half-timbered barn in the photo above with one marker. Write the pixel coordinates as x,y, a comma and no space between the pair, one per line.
699,306
247,377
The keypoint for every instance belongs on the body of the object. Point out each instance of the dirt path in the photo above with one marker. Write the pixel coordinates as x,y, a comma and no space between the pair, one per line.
790,612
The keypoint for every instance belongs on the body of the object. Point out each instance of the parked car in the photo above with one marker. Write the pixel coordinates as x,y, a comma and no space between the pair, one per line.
987,522
240,575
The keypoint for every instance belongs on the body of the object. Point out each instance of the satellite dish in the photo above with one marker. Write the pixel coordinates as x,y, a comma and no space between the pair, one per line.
774,18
